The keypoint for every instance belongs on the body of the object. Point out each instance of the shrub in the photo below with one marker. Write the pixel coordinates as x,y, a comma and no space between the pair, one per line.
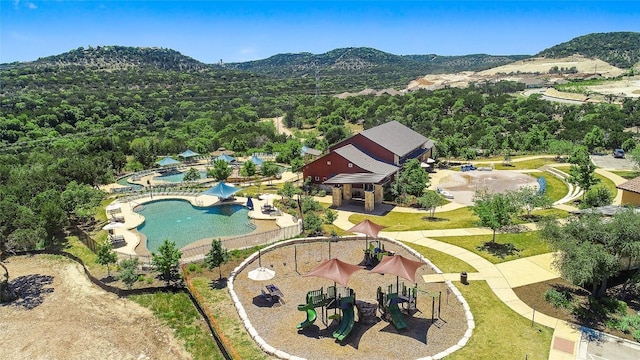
558,299
597,196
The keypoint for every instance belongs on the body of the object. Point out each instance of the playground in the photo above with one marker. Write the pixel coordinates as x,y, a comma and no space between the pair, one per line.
432,322
463,185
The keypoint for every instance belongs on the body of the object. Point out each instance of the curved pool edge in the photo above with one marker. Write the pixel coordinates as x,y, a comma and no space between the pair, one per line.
133,219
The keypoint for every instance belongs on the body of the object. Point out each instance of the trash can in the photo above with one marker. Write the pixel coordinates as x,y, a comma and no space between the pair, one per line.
463,278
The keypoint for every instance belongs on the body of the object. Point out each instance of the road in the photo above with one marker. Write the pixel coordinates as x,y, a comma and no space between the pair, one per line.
541,91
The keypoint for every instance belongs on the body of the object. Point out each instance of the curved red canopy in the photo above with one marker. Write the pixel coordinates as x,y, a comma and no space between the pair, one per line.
399,266
366,227
334,269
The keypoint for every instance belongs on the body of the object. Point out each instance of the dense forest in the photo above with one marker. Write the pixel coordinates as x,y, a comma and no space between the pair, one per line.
362,67
71,122
621,49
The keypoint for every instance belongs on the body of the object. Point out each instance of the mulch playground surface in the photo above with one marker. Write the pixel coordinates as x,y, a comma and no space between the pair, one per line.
276,322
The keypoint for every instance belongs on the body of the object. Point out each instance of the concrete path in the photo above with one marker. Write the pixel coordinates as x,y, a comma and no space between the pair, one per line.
501,278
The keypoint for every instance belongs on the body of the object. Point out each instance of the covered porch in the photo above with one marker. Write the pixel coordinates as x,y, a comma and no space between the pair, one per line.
367,187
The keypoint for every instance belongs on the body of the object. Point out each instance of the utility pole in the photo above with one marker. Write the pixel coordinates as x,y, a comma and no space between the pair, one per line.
317,85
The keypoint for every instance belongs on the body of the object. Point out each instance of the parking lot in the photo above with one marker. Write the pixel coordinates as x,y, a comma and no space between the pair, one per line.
609,162
596,345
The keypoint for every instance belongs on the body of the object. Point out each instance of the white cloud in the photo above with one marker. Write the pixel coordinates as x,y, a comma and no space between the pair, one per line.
28,5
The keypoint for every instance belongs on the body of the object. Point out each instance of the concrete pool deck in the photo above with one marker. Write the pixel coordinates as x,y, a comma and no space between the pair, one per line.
132,219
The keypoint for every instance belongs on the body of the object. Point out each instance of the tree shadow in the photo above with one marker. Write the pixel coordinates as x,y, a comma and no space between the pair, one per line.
417,328
30,290
434,219
498,249
359,329
314,331
218,284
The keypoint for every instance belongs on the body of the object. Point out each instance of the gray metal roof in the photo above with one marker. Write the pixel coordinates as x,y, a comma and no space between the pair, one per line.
395,137
357,178
364,161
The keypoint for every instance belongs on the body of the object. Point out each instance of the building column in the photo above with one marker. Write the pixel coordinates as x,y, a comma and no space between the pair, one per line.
369,203
346,191
336,195
378,194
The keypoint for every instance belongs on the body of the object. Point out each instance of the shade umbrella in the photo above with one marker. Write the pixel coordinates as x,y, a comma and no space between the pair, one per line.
334,269
267,197
399,266
261,274
188,154
249,203
256,160
113,206
113,225
368,228
224,157
167,161
221,190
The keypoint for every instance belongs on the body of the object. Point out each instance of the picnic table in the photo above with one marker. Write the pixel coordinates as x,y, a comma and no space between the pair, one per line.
272,293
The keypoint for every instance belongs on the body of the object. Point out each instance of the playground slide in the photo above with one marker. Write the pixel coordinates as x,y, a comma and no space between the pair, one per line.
346,325
396,316
312,315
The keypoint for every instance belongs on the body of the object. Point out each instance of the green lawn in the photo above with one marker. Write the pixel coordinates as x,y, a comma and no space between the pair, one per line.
630,174
528,244
178,312
454,219
445,262
500,332
608,184
219,303
399,221
526,164
556,188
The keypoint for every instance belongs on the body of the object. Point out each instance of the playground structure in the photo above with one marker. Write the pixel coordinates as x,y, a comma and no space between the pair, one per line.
343,298
374,253
407,298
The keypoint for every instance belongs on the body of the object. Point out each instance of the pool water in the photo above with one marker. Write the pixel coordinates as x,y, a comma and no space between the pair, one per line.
178,177
125,182
183,223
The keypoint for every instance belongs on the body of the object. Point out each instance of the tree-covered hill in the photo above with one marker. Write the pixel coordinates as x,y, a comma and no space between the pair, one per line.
123,57
362,61
621,49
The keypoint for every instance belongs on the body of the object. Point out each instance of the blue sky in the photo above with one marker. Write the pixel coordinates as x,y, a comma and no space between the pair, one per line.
234,31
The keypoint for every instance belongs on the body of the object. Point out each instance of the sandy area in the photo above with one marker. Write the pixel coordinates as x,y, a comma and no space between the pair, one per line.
542,65
276,324
463,185
60,314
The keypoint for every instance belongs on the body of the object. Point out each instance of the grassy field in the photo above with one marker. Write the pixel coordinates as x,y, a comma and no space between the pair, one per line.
178,312
608,184
527,244
455,219
398,221
556,188
218,301
500,332
630,174
445,262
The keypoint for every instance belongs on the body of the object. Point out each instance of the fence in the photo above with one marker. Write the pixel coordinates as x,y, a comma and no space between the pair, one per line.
242,242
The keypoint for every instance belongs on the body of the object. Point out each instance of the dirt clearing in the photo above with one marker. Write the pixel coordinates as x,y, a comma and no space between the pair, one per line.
60,314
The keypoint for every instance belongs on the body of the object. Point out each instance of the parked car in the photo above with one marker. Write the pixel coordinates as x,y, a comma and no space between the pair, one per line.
618,153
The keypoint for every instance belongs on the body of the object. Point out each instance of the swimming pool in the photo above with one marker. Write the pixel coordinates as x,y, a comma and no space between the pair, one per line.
125,182
183,223
178,177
